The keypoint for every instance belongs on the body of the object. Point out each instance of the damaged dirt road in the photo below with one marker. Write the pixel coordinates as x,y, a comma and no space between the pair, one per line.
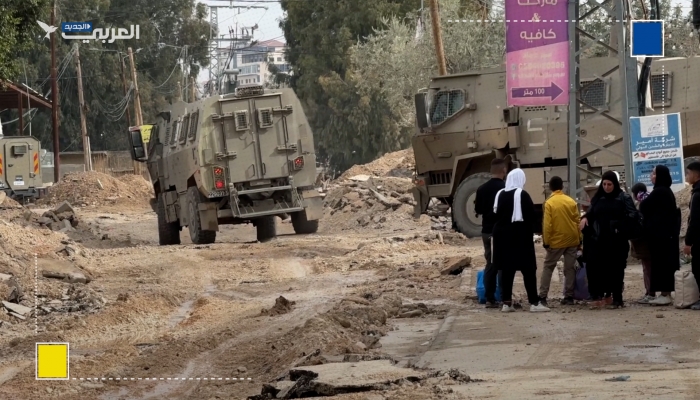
375,306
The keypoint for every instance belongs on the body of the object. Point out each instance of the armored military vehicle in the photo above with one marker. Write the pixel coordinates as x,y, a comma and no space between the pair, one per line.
455,140
20,167
246,156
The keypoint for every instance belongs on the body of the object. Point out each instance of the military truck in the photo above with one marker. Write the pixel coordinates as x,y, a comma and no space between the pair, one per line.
463,122
246,156
20,168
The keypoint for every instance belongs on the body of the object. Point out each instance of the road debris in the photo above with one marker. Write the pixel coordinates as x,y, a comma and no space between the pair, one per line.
621,378
282,306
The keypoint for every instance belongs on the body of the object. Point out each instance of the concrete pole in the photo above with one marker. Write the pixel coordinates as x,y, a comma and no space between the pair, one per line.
437,37
137,97
54,100
126,88
83,122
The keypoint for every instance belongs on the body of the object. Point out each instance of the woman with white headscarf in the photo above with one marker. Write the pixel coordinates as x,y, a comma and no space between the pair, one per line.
513,247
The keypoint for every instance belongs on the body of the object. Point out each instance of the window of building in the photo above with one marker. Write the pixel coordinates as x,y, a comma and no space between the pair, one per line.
279,59
445,105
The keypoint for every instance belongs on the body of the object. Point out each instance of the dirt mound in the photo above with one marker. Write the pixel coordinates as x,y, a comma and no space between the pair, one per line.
282,306
97,189
397,164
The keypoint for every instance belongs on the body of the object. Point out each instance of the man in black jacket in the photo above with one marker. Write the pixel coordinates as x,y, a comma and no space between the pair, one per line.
692,236
483,205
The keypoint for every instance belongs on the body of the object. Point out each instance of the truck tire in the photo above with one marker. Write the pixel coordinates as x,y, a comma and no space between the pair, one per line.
463,216
197,235
302,225
265,228
168,232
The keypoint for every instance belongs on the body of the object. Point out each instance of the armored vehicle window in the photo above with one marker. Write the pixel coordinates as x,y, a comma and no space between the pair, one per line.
19,150
242,122
194,121
661,90
595,95
265,117
185,129
167,133
446,104
175,133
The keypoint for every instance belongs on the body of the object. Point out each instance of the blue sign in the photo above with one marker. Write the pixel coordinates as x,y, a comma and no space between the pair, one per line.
76,27
657,140
647,38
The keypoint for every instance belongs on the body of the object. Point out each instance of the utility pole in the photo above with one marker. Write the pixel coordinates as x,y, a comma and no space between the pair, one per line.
121,64
83,123
193,94
437,37
54,99
137,97
179,91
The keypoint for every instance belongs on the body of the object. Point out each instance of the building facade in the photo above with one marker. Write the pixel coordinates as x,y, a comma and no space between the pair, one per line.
253,62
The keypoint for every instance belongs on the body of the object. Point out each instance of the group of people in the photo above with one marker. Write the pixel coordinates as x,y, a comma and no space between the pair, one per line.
601,238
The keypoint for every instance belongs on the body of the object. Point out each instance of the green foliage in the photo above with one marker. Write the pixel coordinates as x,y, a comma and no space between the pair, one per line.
17,27
394,63
319,34
173,22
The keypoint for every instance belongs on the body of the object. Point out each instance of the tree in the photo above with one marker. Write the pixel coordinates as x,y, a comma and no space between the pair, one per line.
17,28
319,34
165,28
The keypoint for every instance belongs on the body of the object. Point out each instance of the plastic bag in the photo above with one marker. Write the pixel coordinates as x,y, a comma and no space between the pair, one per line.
481,289
581,284
687,292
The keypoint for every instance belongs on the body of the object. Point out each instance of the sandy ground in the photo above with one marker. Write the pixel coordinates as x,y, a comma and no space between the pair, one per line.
198,322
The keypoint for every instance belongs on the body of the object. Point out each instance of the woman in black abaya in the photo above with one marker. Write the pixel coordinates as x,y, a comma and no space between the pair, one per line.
605,244
513,245
661,229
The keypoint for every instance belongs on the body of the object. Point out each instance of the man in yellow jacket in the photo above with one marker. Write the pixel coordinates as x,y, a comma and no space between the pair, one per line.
561,237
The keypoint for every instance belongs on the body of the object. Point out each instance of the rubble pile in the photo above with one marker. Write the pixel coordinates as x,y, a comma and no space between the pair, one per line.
37,244
379,195
97,189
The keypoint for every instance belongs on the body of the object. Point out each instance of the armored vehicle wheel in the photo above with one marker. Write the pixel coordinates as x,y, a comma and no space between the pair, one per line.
197,235
168,232
265,228
302,225
463,215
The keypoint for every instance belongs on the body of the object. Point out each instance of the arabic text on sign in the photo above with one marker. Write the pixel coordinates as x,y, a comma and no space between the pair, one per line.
104,34
541,65
540,3
541,34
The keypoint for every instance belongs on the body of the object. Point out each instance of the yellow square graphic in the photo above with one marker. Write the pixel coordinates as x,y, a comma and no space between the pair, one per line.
52,361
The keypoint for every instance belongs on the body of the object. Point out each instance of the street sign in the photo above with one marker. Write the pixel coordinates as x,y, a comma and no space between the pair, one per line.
657,140
537,52
552,92
647,38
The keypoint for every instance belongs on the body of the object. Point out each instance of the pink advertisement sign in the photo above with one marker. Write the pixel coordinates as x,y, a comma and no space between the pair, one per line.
537,52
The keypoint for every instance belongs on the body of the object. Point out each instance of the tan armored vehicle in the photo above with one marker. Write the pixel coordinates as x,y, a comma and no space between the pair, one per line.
463,122
242,157
20,167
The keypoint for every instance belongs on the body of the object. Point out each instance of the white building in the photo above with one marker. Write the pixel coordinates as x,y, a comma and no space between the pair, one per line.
253,62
